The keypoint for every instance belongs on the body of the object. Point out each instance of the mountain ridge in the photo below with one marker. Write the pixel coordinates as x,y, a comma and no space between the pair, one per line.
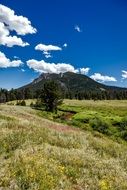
70,81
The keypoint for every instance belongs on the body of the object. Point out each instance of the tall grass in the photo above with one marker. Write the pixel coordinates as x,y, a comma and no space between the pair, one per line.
38,154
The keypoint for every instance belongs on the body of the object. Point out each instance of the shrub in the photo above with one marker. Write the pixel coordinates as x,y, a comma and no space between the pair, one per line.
123,128
21,103
38,103
31,104
18,103
99,125
123,124
124,135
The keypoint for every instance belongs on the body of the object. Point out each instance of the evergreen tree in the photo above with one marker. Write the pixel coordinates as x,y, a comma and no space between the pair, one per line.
51,96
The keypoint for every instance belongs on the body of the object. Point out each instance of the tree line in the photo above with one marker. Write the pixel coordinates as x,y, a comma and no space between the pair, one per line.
27,93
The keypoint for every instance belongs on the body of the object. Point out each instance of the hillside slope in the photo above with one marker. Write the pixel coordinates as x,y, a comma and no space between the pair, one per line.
71,82
36,153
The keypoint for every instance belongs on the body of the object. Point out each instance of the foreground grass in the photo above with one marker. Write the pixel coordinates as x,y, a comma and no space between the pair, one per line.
38,154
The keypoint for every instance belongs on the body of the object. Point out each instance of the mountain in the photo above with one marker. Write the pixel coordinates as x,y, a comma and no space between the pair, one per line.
72,82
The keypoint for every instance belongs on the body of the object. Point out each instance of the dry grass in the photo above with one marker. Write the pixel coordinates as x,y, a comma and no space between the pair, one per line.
37,154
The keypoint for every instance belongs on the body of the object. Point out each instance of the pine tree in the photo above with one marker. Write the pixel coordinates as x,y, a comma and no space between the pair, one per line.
51,96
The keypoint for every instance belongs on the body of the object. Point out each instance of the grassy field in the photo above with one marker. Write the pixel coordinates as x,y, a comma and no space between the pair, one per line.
106,117
28,102
39,154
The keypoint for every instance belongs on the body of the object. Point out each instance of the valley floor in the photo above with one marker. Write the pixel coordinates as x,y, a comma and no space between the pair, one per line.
38,154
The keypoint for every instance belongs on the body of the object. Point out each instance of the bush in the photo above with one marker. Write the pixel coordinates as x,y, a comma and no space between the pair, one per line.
18,103
21,103
123,128
99,125
38,103
31,104
124,135
123,124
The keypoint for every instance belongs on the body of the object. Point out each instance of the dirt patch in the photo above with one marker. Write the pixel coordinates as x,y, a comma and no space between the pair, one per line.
63,128
67,116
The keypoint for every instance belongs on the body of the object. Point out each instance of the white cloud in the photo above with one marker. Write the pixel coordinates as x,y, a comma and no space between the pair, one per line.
78,29
84,71
65,45
101,78
46,49
10,22
11,41
5,62
48,55
7,40
19,24
44,67
124,74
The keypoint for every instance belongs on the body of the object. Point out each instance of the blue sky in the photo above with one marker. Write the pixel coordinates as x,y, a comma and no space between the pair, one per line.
94,34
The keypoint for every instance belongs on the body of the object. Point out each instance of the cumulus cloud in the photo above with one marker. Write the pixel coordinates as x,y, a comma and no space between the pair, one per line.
44,67
8,40
124,74
19,24
84,71
9,22
101,78
46,49
78,29
5,62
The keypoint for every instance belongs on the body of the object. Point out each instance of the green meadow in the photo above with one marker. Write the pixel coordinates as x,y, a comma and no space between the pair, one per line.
106,117
81,147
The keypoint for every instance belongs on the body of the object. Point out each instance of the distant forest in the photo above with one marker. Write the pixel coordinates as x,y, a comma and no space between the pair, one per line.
27,93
